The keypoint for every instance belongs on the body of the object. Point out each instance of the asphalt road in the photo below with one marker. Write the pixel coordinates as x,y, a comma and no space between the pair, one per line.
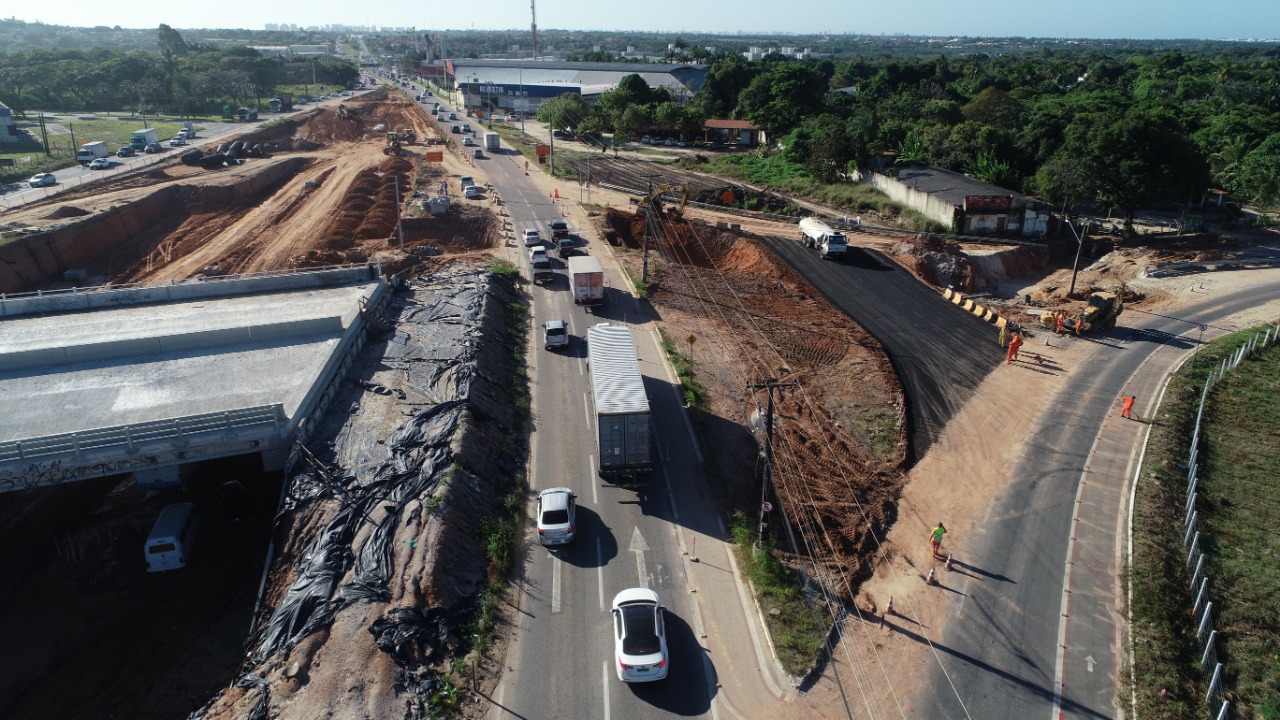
1036,628
940,352
561,663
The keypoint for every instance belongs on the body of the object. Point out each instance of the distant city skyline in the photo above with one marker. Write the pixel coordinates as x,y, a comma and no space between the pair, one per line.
1091,19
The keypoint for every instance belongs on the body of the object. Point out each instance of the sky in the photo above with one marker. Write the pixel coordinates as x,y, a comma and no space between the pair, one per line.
1138,19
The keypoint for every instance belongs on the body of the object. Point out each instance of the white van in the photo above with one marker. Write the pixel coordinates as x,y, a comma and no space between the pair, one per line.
169,544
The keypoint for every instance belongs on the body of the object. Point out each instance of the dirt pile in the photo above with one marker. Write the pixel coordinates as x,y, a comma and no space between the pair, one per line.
937,262
66,211
839,438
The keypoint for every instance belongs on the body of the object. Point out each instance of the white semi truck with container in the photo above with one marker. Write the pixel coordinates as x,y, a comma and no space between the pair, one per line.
91,151
621,405
586,277
817,234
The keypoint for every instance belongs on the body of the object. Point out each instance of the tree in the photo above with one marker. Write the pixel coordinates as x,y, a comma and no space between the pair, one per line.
994,107
1142,156
1258,177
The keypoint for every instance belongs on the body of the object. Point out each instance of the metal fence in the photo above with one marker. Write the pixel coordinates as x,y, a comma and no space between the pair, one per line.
1202,605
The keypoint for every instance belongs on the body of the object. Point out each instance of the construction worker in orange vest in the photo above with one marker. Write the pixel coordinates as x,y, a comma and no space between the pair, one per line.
1015,342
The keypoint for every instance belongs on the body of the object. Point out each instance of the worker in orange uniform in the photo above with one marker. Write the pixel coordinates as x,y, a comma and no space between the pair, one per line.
1080,325
1059,318
1126,410
1015,342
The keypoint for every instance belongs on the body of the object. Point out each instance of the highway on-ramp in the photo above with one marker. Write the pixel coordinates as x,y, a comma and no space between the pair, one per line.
1035,630
940,352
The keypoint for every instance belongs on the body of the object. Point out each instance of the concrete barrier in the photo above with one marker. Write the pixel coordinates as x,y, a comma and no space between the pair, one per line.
175,343
83,299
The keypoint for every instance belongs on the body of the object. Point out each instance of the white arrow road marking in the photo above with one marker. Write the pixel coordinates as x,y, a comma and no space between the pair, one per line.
1089,663
639,546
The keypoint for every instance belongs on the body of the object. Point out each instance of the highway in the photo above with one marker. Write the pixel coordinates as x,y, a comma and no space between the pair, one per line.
561,663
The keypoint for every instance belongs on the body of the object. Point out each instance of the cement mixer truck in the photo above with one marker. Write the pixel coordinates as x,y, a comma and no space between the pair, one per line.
817,234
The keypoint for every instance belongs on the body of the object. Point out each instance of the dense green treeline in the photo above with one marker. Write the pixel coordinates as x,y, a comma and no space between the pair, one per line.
1073,127
179,78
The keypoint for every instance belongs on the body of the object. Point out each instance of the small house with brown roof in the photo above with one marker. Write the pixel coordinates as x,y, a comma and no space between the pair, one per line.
738,132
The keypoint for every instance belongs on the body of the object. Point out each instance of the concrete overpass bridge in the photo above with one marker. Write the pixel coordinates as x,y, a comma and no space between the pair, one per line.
147,379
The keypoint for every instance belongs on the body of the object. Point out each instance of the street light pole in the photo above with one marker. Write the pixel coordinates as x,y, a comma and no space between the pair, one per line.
1076,265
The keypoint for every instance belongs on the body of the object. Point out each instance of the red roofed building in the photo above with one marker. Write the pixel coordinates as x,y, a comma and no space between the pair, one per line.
740,132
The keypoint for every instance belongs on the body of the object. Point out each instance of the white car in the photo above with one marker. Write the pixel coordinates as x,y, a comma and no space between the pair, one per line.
555,334
538,257
531,236
556,516
42,179
639,636
471,192
178,141
468,142
100,164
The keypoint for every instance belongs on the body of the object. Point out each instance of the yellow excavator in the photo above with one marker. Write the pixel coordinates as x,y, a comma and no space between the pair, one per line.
1099,314
654,199
393,144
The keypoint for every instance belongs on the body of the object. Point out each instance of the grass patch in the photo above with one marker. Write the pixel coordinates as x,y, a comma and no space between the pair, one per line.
791,179
691,388
798,629
503,268
1240,454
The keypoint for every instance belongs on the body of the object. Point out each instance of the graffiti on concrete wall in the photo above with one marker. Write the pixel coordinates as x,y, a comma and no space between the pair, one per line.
53,473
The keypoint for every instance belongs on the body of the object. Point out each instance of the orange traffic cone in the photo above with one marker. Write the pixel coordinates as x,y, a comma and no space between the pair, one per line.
930,579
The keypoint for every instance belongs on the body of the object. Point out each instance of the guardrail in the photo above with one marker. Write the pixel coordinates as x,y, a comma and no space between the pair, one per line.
1202,606
130,437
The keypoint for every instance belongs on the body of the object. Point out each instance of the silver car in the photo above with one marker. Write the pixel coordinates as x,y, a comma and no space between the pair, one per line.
556,516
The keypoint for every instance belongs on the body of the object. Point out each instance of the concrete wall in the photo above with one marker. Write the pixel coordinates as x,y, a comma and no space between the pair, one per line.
115,297
922,202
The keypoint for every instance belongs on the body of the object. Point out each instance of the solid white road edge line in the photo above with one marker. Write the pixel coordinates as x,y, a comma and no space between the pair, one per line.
1059,662
605,688
600,572
555,583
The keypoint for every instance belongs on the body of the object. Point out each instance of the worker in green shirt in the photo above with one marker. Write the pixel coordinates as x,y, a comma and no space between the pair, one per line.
935,538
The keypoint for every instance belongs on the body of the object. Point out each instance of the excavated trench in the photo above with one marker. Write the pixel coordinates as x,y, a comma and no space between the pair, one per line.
110,242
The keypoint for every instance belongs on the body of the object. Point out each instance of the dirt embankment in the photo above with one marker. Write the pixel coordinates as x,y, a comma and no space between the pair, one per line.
381,562
839,438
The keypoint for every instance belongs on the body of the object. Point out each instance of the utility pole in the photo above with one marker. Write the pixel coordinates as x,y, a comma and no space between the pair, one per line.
648,229
551,115
44,135
768,444
399,223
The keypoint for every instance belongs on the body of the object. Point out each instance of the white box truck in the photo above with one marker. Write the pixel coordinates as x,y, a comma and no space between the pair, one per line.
621,405
91,151
169,544
142,138
586,277
817,234
492,141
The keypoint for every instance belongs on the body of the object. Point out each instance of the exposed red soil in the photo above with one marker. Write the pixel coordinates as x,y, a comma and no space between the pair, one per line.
758,321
